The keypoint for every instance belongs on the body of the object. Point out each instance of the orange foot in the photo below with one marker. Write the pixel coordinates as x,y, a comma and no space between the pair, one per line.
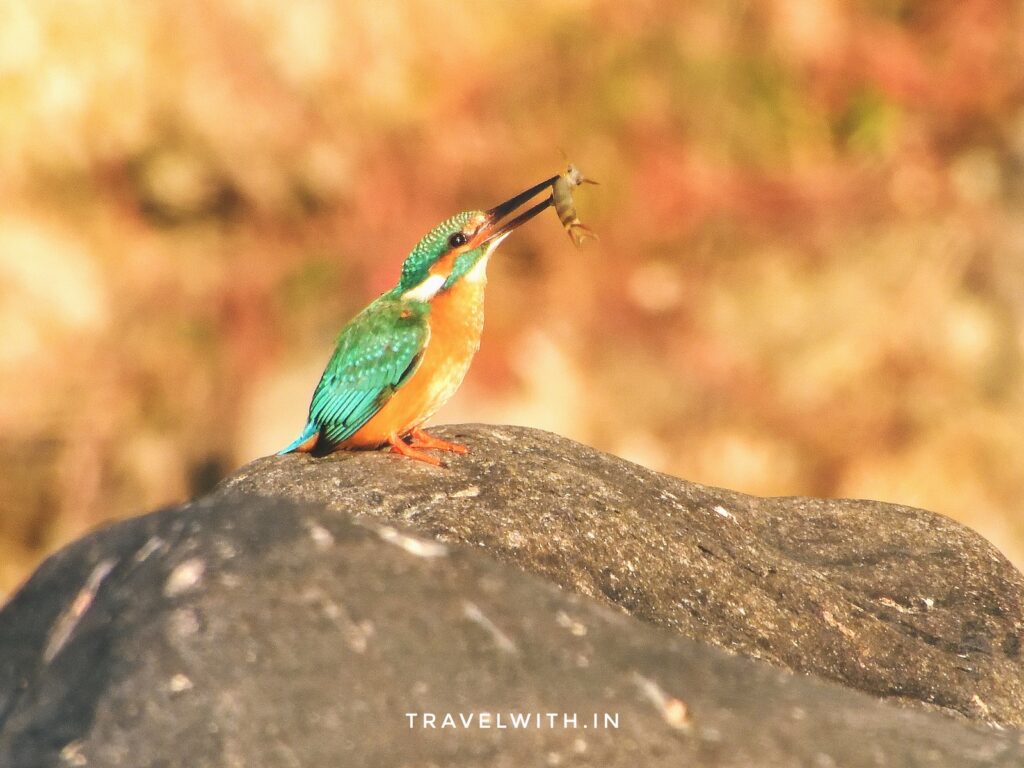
398,445
420,439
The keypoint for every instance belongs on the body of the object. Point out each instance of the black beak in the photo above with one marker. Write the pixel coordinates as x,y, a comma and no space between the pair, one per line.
493,227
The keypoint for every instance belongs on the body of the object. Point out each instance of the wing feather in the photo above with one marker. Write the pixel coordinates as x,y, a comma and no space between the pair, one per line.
375,355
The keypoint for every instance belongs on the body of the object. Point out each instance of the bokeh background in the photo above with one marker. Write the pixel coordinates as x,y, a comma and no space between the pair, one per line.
809,279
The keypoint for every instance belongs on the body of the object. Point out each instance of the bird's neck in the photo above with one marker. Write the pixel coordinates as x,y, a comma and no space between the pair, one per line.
460,309
478,274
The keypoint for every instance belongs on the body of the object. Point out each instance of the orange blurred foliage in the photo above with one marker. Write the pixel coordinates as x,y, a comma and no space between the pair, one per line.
809,279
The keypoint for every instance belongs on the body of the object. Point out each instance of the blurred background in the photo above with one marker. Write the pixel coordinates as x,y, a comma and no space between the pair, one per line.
809,279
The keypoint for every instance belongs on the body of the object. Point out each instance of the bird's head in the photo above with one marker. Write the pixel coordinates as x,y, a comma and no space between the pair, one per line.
458,248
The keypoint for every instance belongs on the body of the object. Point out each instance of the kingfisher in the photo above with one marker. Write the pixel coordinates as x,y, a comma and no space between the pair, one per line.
400,359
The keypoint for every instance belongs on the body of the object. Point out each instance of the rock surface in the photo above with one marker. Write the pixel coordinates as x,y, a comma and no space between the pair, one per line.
246,632
899,602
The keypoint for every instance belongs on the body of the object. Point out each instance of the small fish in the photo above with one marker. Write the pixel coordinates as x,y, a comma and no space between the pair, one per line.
565,207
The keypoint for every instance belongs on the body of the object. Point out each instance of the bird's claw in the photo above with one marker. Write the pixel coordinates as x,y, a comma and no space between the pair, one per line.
419,440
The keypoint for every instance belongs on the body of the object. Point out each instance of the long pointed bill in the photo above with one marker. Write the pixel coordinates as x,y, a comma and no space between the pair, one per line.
522,218
493,228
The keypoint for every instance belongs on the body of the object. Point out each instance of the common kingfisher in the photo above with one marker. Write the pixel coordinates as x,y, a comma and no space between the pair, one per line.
400,359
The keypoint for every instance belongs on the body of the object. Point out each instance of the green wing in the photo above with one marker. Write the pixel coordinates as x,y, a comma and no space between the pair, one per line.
376,354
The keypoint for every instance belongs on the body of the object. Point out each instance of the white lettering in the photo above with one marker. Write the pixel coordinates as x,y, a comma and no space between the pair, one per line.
509,719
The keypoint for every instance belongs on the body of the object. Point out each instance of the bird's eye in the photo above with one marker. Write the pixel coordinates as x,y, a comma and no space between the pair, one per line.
457,240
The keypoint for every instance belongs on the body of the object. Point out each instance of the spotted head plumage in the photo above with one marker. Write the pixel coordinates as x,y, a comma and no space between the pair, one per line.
444,255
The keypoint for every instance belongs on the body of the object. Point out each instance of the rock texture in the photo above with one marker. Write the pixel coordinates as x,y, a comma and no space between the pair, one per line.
898,602
242,632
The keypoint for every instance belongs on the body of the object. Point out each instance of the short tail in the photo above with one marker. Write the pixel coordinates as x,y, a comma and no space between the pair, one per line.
305,442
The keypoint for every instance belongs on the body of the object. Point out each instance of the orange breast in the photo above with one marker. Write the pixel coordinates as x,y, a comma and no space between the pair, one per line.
456,322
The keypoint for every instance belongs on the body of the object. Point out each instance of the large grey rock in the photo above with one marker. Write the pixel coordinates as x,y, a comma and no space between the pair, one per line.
898,602
265,633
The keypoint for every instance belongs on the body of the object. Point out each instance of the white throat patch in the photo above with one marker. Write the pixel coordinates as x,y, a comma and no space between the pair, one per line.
478,273
426,290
